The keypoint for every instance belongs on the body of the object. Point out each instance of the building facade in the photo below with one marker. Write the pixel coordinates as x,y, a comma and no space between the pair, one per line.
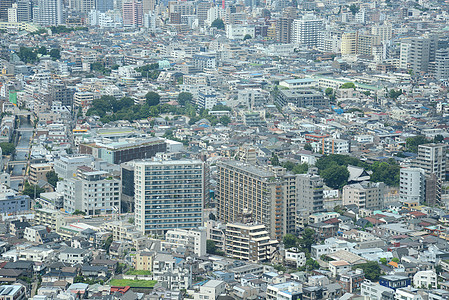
250,242
169,195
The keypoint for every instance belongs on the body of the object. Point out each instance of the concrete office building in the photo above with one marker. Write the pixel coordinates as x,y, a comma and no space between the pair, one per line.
308,31
169,195
11,203
365,194
123,151
301,98
92,192
66,166
268,196
250,242
59,92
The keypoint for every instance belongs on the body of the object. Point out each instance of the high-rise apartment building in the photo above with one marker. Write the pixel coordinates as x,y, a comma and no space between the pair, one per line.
92,192
104,5
308,31
442,64
432,159
4,6
309,189
169,194
349,43
250,242
24,11
132,13
365,194
412,185
419,53
268,196
50,12
61,93
384,32
284,30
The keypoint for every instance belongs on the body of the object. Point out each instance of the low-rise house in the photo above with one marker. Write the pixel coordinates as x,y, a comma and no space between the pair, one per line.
74,255
394,281
210,290
425,279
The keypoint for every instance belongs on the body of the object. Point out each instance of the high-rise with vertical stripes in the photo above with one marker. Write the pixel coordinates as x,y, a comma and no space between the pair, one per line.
169,194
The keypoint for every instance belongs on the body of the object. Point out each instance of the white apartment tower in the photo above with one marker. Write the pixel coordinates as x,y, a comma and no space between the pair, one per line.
308,32
412,185
50,12
169,195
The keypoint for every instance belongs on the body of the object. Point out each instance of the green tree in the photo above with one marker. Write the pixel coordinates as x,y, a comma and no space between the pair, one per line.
184,98
218,23
354,9
308,147
289,165
152,98
7,148
412,143
52,178
55,54
395,259
211,248
290,241
394,94
31,190
438,269
438,138
307,239
247,37
387,172
335,176
225,120
371,269
348,85
274,160
221,107
383,261
78,213
42,50
27,55
329,92
301,168
107,244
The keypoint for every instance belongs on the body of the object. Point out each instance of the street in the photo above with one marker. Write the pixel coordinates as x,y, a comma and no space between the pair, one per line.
25,131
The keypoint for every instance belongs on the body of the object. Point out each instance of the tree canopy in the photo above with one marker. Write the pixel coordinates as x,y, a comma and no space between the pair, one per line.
184,98
290,241
153,98
394,94
348,85
29,190
335,176
218,23
412,143
52,178
7,148
371,269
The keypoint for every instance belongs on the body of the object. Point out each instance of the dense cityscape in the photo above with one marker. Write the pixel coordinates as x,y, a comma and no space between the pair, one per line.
224,150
